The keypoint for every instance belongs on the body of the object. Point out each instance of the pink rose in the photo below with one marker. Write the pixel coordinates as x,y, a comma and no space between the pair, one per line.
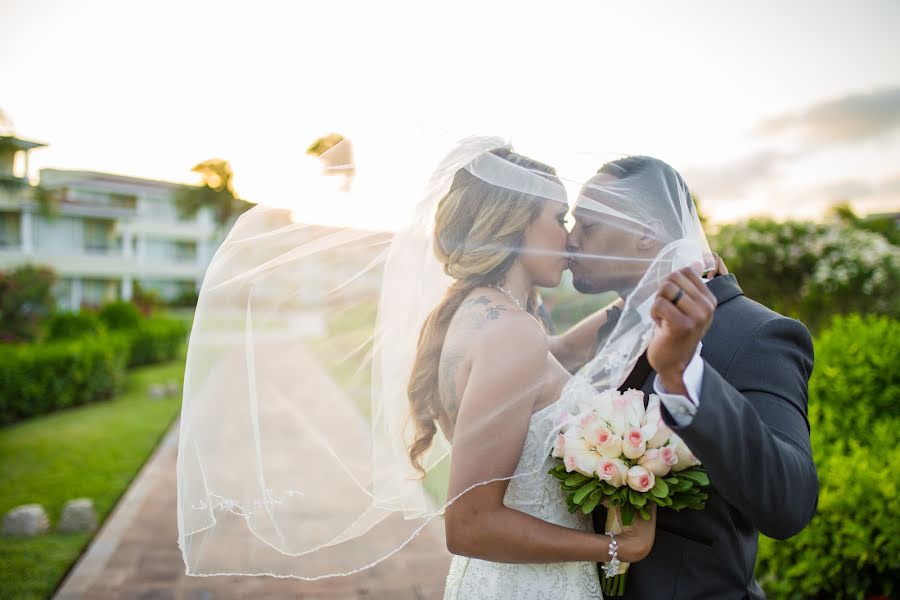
612,471
669,456
633,443
608,444
640,479
658,461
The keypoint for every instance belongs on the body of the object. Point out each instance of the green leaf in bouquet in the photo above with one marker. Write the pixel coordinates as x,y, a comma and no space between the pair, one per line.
559,472
583,491
645,514
575,479
608,489
660,489
591,503
696,475
664,501
683,485
637,499
627,514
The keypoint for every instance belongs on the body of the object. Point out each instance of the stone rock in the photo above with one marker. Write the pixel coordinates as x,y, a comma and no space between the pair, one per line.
78,516
157,391
28,520
172,388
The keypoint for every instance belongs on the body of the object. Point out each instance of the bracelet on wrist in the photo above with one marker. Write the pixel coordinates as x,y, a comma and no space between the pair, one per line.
611,568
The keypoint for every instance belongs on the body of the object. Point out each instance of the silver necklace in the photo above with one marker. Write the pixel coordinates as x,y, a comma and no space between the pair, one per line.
510,294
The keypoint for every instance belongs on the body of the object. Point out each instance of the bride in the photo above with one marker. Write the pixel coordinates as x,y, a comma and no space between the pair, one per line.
279,475
480,347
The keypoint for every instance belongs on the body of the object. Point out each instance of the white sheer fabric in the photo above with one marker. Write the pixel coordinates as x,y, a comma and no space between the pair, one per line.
262,446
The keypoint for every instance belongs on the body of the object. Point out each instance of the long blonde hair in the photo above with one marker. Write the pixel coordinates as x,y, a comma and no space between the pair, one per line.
479,228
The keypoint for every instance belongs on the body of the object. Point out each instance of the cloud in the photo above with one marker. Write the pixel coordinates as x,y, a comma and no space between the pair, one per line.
851,118
731,178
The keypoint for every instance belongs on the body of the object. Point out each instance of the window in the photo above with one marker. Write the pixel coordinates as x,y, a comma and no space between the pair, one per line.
123,200
10,230
185,251
95,292
98,235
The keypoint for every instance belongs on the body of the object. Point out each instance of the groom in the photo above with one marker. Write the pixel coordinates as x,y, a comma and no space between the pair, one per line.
739,403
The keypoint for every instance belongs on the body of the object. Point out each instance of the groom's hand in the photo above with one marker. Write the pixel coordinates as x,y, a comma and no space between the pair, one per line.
680,326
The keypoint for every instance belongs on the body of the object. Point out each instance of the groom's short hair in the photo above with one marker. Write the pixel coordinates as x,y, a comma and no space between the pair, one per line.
643,186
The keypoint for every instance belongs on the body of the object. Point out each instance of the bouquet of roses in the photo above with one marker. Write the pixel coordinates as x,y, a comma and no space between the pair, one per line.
621,454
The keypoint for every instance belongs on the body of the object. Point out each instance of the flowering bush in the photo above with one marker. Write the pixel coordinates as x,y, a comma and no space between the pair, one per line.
809,271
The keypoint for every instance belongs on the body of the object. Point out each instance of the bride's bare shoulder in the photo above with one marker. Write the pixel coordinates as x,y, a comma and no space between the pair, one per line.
495,325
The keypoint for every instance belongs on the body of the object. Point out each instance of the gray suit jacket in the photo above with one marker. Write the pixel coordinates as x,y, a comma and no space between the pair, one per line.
751,432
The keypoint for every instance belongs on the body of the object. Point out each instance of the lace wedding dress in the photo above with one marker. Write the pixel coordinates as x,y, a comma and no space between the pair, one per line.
539,495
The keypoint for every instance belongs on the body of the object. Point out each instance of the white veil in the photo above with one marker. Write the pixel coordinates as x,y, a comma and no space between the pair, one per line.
267,436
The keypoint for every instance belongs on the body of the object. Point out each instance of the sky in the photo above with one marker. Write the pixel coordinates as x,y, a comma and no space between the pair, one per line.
766,108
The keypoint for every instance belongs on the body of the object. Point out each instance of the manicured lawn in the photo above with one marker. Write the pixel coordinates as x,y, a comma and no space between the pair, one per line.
91,451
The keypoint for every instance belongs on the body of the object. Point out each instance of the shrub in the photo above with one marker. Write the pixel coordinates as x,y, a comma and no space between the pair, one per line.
855,379
147,300
71,325
851,549
26,299
810,271
156,340
120,315
41,378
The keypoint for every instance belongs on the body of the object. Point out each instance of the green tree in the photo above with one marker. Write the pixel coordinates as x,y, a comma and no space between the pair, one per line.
26,300
215,191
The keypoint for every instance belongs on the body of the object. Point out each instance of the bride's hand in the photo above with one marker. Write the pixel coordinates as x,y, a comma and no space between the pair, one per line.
636,540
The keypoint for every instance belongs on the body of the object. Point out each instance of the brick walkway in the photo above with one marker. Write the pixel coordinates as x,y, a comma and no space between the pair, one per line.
136,554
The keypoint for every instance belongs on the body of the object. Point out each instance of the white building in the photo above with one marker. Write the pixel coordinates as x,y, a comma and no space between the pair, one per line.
110,231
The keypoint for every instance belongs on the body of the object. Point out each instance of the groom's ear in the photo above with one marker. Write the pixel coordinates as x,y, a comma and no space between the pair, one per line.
650,234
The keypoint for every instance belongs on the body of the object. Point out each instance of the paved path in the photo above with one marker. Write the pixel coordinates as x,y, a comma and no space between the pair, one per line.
136,555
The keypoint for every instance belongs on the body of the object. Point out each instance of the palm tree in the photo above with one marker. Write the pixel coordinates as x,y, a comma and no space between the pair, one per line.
215,192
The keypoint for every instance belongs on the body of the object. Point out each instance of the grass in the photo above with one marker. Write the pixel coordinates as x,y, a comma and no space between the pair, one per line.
91,451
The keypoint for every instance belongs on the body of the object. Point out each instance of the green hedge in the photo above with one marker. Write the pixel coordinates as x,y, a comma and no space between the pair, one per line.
856,378
155,340
73,325
120,315
41,378
851,549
